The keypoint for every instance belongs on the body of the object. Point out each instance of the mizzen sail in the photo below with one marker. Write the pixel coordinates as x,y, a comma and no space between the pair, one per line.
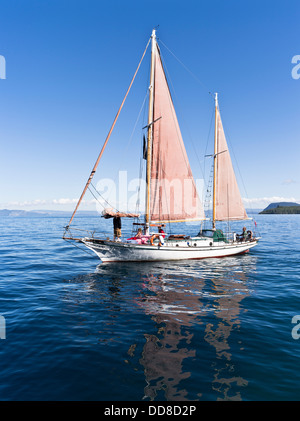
173,194
228,202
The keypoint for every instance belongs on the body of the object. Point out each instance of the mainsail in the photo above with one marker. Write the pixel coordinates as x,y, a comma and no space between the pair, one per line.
173,194
228,201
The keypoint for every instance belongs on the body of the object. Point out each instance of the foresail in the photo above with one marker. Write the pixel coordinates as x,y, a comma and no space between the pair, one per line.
229,204
173,193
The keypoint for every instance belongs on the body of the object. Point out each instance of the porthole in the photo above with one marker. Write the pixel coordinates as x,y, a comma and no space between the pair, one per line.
210,244
195,244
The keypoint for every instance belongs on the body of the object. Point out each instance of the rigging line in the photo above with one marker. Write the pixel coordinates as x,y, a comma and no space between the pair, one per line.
142,166
73,244
107,138
183,151
237,165
101,198
166,197
174,119
138,202
238,168
207,141
96,198
210,127
186,68
131,137
198,80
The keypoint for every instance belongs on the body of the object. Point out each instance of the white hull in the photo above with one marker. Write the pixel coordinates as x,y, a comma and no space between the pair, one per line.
195,248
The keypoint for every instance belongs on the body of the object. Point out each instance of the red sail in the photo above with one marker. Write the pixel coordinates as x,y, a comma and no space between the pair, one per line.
229,205
173,194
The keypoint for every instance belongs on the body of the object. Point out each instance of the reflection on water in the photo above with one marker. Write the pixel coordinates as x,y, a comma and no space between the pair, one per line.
171,308
217,334
181,301
195,309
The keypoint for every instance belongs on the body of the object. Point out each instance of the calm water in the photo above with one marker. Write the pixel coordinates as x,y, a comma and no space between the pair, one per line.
216,329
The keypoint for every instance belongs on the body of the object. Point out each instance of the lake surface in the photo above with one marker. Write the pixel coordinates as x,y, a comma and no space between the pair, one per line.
215,329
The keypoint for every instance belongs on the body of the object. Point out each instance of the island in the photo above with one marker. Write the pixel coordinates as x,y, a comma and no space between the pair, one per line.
282,208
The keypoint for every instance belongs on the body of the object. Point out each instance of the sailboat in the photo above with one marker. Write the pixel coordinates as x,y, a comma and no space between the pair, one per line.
171,193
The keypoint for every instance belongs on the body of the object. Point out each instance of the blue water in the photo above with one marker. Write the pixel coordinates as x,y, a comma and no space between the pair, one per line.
216,329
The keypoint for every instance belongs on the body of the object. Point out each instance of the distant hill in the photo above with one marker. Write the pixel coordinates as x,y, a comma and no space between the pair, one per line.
15,213
275,205
282,208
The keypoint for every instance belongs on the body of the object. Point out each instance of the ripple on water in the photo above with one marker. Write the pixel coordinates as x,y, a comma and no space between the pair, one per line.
196,330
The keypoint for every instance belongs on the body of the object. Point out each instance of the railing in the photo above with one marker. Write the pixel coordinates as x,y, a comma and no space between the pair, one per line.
233,237
70,235
77,234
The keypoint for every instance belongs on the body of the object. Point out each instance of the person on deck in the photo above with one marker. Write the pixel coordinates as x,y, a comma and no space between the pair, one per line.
139,233
249,235
161,235
139,238
244,235
117,228
160,230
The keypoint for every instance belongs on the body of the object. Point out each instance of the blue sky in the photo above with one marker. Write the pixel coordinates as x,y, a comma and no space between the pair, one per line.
68,66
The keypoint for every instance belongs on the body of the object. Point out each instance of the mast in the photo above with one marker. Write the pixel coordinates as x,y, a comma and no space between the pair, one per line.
215,162
150,129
